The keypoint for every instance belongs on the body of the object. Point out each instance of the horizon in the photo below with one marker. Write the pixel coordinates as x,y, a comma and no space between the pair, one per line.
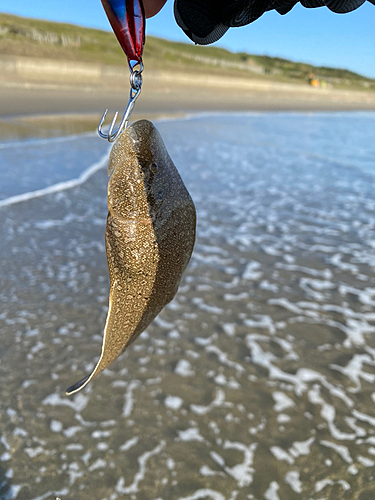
332,39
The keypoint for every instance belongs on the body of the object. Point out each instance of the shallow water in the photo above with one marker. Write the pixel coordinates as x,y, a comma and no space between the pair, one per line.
27,166
257,381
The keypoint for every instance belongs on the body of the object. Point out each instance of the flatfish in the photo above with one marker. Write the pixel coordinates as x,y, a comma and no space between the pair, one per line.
150,236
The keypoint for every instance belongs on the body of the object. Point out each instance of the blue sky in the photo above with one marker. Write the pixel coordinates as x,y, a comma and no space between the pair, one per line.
316,36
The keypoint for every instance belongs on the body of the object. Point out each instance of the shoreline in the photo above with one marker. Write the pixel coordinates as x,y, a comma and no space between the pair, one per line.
45,108
48,126
164,95
32,108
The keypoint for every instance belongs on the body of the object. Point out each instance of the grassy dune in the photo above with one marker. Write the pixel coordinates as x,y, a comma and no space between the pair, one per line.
44,39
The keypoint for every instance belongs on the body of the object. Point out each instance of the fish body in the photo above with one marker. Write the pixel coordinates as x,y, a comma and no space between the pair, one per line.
150,235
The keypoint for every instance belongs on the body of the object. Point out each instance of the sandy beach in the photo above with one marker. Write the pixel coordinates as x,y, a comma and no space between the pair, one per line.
27,105
164,96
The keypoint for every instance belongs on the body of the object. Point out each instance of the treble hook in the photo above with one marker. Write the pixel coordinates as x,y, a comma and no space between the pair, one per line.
135,90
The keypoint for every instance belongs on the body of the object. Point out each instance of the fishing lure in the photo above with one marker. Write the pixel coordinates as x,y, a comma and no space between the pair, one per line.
150,236
127,19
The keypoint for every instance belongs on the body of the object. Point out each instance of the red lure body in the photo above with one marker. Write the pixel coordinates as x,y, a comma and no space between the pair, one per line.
127,19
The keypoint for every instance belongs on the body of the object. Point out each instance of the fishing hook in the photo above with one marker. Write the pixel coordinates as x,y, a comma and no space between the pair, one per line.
135,90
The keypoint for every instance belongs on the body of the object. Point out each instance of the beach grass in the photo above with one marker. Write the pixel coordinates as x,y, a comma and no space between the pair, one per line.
20,36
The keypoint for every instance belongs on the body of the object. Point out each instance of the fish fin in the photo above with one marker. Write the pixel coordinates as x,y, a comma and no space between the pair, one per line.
79,385
82,383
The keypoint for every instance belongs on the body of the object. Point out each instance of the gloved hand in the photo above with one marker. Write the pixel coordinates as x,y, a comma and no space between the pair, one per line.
205,21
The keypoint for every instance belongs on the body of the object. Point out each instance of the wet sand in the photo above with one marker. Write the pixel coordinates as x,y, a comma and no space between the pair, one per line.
50,110
175,94
33,106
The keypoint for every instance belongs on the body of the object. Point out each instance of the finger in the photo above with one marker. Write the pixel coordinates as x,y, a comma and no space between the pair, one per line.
152,7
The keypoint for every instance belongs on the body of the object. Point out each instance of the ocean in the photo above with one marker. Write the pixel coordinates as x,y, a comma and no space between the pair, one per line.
257,381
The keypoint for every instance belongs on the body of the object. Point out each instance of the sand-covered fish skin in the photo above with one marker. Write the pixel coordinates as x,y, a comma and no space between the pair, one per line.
150,236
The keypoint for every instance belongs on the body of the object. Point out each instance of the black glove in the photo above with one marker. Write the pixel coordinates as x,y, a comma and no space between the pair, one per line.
205,21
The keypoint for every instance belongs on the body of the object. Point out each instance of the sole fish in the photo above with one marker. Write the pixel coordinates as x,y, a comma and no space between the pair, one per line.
150,235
